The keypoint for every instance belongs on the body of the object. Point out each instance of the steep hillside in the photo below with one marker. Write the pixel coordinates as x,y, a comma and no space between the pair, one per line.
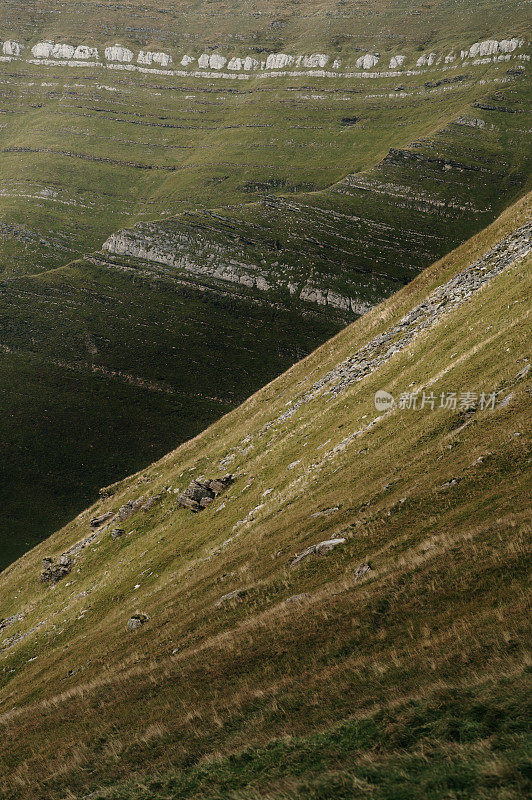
346,617
110,361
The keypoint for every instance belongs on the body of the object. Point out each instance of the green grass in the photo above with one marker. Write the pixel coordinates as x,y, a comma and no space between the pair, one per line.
441,615
468,743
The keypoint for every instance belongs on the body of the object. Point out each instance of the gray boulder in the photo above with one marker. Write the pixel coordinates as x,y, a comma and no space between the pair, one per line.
201,493
137,621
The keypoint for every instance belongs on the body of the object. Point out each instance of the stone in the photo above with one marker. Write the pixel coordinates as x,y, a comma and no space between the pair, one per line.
361,570
321,549
279,61
119,53
187,60
12,48
486,48
42,49
426,60
325,512
201,493
63,51
83,51
250,63
150,502
137,621
216,61
149,58
296,598
116,533
397,61
53,572
367,62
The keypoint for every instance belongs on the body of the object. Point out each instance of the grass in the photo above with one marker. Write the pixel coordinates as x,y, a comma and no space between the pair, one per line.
106,368
408,680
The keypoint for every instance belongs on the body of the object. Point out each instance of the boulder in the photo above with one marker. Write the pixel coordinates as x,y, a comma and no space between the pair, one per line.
53,572
200,493
320,549
137,621
361,570
116,533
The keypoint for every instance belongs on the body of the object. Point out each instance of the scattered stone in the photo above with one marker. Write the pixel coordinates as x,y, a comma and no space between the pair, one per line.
237,594
361,570
294,464
201,493
320,549
506,400
136,621
116,533
53,572
449,484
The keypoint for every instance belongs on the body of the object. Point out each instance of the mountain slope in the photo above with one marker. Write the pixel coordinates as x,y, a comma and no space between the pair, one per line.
414,623
110,361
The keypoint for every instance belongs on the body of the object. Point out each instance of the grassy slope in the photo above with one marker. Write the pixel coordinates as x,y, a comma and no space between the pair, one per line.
429,647
72,420
72,144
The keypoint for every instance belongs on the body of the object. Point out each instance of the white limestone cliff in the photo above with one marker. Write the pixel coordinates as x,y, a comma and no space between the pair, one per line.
12,48
368,61
119,53
279,61
149,57
235,64
397,61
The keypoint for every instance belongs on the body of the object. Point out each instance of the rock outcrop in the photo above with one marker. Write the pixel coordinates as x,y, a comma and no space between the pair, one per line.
53,572
201,493
119,53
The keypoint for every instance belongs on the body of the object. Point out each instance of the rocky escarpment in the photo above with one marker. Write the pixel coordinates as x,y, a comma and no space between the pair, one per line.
445,299
120,56
349,247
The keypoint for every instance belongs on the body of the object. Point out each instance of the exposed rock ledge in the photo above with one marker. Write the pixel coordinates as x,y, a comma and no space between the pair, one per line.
144,242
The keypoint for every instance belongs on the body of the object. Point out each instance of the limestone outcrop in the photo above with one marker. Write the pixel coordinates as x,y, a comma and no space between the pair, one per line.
119,53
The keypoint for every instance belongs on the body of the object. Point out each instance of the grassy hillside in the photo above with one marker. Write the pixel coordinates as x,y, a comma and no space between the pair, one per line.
379,137
393,666
110,361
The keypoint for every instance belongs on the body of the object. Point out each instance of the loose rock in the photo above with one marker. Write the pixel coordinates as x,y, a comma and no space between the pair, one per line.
320,549
200,494
136,621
